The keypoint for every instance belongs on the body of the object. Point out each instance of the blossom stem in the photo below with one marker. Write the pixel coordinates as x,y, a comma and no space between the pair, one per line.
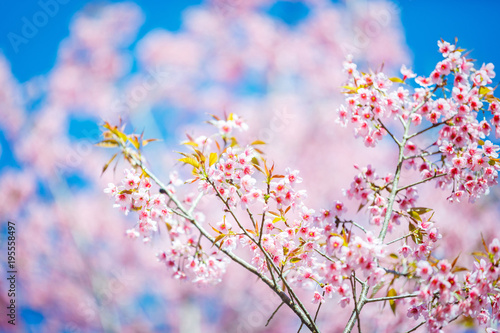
424,154
398,239
395,182
429,128
389,298
361,302
270,318
416,327
420,182
195,203
319,307
387,130
353,285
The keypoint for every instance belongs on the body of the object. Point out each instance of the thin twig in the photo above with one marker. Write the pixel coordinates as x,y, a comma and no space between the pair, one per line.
195,203
389,298
353,285
416,327
270,318
398,239
424,154
319,307
387,130
430,127
324,255
394,272
420,182
339,221
356,310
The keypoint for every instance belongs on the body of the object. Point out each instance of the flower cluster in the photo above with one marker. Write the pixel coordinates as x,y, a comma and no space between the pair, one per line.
468,163
442,297
185,255
135,195
290,244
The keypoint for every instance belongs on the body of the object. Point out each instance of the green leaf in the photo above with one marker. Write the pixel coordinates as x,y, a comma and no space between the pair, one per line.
391,293
484,244
191,161
415,215
107,164
218,238
420,210
145,142
258,142
479,254
107,143
455,261
484,90
458,269
212,159
396,79
134,141
190,143
294,260
361,207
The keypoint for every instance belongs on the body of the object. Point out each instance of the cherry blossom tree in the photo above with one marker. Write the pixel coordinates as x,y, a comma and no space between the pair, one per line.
294,246
227,55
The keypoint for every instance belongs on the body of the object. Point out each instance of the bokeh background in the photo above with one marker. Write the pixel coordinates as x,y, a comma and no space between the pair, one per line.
66,66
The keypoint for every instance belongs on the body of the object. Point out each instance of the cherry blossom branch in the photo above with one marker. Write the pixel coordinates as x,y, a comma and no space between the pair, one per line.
285,282
389,298
389,132
264,213
430,127
357,309
420,182
324,255
319,307
195,203
398,239
353,286
338,221
275,311
298,308
424,154
416,327
394,272
395,182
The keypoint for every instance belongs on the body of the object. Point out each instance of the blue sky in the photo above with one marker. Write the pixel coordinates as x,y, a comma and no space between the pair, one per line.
424,21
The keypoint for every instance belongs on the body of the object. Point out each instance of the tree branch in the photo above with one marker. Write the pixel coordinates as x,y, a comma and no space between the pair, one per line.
420,182
300,310
270,318
357,309
389,298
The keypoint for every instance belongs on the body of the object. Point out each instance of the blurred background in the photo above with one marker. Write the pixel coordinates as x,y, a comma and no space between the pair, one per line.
66,66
